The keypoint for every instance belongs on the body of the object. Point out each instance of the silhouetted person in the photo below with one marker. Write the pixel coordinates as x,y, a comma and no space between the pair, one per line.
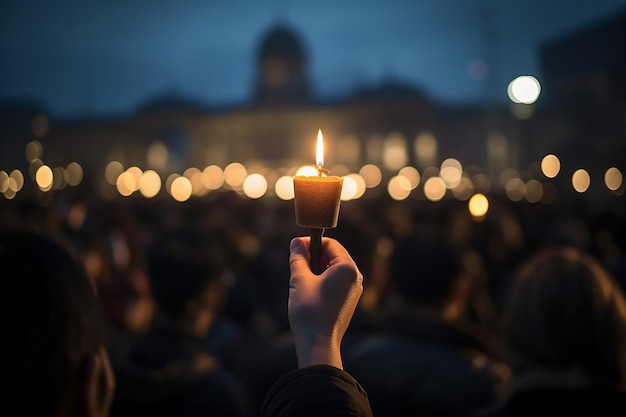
170,371
55,336
565,338
427,360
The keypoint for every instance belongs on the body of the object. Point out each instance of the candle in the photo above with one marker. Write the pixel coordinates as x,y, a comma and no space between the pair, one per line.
316,201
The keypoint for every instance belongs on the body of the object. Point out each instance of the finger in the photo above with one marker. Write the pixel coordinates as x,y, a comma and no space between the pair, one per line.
335,251
298,255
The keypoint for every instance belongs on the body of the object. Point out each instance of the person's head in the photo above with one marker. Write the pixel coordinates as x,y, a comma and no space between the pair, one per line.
185,270
55,333
565,312
426,272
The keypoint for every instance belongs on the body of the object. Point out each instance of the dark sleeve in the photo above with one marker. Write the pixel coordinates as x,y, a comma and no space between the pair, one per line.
318,390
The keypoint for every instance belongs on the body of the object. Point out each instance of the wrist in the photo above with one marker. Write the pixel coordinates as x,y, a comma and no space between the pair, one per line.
318,350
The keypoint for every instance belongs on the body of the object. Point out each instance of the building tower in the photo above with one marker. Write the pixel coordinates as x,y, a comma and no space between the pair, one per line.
282,68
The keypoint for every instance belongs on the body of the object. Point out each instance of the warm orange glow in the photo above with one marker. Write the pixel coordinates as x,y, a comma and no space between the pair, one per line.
307,171
550,165
613,178
478,205
319,149
255,186
371,174
411,174
349,189
44,178
212,177
235,174
399,188
434,189
181,189
150,184
284,187
581,180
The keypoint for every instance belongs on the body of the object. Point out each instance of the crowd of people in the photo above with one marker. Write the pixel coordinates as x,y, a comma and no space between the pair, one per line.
208,307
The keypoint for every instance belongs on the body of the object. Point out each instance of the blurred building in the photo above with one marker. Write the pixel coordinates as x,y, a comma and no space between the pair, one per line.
391,124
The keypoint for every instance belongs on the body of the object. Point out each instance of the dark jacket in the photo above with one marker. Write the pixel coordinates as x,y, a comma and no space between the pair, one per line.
422,366
168,373
543,392
318,390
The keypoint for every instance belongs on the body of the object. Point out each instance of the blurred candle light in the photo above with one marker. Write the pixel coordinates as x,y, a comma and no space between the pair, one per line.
150,183
255,186
44,178
550,165
478,205
284,187
581,180
613,178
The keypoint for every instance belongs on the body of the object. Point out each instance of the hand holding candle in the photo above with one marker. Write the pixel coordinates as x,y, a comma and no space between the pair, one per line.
316,201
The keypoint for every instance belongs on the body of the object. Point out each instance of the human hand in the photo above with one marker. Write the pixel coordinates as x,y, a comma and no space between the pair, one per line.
321,306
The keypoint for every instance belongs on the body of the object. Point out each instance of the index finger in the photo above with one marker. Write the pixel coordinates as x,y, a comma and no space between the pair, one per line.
336,252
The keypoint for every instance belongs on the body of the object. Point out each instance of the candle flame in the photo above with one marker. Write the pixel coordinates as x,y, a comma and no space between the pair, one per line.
319,152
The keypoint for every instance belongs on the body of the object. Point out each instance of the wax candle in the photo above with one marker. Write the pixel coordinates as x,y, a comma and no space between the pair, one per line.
316,202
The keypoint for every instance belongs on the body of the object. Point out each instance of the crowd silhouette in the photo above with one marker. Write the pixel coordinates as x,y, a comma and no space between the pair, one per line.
521,312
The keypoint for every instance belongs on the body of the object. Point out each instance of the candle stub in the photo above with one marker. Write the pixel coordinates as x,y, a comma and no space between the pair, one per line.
317,201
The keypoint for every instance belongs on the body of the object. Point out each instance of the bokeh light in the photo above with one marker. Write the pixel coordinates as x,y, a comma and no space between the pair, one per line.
613,179
581,180
255,186
33,150
284,187
434,189
478,205
550,165
411,174
359,182
212,177
44,178
426,148
371,174
181,189
399,188
113,171
73,173
307,171
4,181
515,189
451,171
157,155
534,191
235,174
194,175
348,189
524,89
150,183
394,151
16,180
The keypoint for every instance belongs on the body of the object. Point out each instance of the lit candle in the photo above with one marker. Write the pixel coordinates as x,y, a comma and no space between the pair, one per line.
316,201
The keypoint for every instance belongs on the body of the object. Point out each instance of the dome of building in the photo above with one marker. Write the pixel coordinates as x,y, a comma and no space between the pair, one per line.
281,41
281,71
